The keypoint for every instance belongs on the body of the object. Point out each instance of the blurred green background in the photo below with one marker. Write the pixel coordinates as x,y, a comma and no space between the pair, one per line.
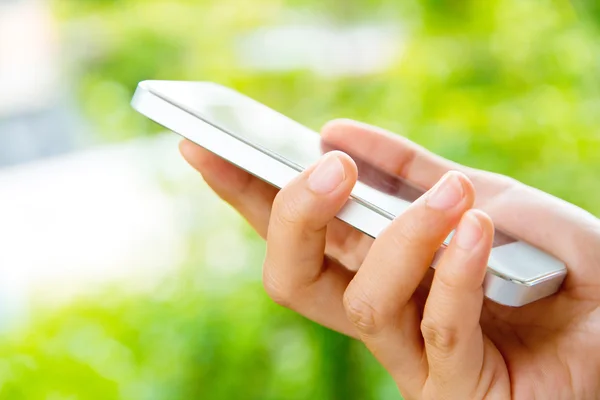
511,86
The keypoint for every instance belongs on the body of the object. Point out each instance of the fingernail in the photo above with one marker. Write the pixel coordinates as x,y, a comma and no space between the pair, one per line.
446,194
469,232
328,175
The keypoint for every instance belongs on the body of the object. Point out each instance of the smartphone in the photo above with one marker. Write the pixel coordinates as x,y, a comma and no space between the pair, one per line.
276,149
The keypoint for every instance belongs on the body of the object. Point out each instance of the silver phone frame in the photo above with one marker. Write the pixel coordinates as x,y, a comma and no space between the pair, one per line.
361,215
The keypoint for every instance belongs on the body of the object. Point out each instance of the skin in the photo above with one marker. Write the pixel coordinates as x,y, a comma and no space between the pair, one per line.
446,342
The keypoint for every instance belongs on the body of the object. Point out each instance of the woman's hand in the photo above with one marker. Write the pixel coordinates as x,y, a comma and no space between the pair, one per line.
447,342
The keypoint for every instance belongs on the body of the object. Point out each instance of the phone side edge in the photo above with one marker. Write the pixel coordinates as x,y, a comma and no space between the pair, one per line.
242,155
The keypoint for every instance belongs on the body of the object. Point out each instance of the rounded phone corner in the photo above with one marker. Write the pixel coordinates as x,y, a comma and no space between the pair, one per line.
145,84
514,293
522,262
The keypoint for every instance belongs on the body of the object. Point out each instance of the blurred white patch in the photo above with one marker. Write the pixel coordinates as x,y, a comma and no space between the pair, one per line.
226,251
29,67
323,49
14,299
72,223
290,353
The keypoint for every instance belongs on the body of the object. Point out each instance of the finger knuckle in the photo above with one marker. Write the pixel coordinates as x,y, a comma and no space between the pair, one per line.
405,233
438,336
287,210
279,292
362,313
449,281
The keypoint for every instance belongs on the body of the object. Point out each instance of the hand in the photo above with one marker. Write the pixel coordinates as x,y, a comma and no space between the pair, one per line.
448,342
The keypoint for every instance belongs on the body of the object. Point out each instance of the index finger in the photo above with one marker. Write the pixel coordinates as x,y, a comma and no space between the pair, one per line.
389,153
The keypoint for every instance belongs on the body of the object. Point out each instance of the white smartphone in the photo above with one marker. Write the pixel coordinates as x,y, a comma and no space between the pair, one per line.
275,149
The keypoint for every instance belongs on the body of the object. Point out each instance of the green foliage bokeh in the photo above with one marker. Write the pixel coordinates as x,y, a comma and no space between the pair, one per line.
510,86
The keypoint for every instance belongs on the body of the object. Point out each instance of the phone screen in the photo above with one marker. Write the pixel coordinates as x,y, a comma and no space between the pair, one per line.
297,146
